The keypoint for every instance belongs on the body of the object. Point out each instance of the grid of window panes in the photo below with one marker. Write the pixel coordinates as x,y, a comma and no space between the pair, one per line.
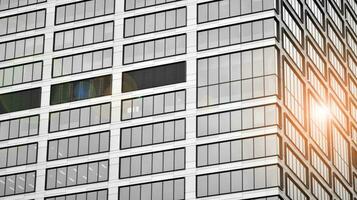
322,76
310,78
21,65
250,84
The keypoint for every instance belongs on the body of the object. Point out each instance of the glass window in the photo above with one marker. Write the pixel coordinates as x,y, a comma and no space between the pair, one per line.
168,160
135,52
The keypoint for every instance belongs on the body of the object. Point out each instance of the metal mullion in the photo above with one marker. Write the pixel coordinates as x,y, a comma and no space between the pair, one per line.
88,150
132,109
152,137
64,16
164,111
76,175
15,183
82,58
13,72
230,181
162,163
173,189
99,139
173,161
102,54
97,173
75,11
36,20
84,17
129,167
165,43
69,118
207,164
8,131
74,36
151,191
142,106
90,116
131,137
142,135
93,36
7,26
219,153
176,19
87,165
95,4
162,189
28,126
175,45
175,93
26,182
17,21
7,157
174,122
144,27
100,106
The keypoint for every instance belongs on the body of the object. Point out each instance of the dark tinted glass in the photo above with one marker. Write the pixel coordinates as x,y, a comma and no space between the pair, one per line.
21,100
82,89
154,77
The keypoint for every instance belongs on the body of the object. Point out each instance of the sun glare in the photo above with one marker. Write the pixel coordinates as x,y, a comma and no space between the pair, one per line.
320,112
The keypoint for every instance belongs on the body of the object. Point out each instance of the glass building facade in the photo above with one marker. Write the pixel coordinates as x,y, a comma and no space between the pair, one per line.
178,99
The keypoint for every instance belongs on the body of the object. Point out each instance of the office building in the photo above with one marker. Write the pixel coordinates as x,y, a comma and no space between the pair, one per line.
178,99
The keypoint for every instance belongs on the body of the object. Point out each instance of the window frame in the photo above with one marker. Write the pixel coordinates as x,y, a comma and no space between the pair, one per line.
25,13
277,74
159,181
54,49
152,161
166,2
280,186
151,124
153,113
15,174
79,2
314,149
279,118
152,40
154,13
82,54
19,39
23,66
77,136
17,154
82,107
13,119
75,194
240,15
277,31
78,164
279,150
37,2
